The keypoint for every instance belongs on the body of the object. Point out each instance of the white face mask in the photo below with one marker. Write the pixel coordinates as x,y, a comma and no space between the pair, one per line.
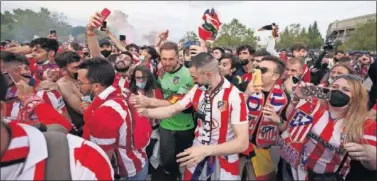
141,58
331,80
141,85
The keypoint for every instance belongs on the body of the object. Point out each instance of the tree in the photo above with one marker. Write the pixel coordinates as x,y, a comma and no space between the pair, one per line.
22,25
363,38
189,36
77,30
295,33
337,44
235,34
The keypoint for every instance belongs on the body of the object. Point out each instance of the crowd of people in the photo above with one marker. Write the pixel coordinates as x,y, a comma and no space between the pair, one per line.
107,110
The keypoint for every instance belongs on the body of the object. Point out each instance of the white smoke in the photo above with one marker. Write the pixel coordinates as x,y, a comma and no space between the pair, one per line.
119,25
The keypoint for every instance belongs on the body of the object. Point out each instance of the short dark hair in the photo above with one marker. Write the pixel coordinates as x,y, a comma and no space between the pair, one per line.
128,53
46,44
152,51
280,65
76,46
245,47
151,81
298,47
67,57
13,58
338,51
132,45
228,49
218,48
99,71
201,59
234,60
169,46
261,53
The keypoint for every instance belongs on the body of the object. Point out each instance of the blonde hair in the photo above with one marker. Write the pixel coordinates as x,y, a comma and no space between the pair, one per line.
353,122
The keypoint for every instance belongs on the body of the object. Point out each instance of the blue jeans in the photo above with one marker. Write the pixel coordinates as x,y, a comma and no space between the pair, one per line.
142,175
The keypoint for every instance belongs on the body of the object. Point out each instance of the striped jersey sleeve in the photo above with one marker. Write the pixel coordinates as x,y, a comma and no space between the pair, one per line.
370,132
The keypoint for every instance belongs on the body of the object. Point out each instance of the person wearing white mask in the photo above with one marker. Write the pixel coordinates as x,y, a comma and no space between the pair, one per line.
148,57
143,82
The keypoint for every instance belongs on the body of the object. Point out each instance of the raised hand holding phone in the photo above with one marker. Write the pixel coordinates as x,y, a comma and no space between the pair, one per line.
97,19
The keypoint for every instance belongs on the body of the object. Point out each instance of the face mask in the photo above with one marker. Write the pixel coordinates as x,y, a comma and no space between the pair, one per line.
295,80
106,53
187,64
141,85
330,80
336,60
339,99
141,58
86,54
88,98
325,65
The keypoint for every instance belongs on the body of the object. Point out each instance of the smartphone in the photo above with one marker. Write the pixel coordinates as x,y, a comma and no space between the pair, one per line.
318,92
52,32
105,13
104,25
122,37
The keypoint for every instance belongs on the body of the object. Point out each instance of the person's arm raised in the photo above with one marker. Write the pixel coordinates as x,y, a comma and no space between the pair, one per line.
93,45
24,50
117,43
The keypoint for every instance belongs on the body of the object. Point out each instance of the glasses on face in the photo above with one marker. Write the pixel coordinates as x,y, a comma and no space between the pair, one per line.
140,78
262,69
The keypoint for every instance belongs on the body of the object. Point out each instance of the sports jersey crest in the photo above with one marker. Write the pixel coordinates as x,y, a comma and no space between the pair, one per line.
176,80
222,105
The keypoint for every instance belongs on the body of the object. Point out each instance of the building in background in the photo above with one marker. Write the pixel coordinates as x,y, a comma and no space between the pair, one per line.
342,29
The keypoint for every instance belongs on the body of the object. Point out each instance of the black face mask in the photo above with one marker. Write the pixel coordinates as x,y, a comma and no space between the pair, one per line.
187,64
244,62
339,99
336,60
106,53
87,54
295,80
325,65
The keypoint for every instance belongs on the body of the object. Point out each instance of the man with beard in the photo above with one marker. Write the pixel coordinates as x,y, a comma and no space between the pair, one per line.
293,74
122,66
245,54
176,132
338,55
13,67
42,51
69,62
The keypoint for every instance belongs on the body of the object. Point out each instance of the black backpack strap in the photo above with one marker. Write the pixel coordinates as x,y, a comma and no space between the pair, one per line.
57,163
342,163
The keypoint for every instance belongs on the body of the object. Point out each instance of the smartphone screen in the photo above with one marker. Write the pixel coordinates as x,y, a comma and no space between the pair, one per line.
122,37
52,32
104,25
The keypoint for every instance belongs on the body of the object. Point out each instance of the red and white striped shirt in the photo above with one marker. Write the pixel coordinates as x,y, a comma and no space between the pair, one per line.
228,108
123,82
108,124
322,150
53,98
26,154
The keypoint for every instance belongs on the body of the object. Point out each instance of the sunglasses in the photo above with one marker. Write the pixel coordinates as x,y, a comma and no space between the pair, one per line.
262,69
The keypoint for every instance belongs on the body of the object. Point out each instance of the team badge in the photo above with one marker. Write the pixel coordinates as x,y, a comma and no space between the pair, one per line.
176,80
222,105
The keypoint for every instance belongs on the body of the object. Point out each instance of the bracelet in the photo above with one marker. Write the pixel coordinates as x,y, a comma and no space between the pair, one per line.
281,122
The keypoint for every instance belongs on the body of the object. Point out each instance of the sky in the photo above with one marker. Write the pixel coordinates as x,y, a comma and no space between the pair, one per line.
182,16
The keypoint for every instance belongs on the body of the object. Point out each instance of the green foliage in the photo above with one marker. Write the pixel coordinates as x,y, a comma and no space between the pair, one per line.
294,33
234,34
337,44
78,30
363,38
22,25
189,36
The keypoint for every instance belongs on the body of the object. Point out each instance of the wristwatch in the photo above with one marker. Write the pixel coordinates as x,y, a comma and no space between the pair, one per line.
281,122
295,99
